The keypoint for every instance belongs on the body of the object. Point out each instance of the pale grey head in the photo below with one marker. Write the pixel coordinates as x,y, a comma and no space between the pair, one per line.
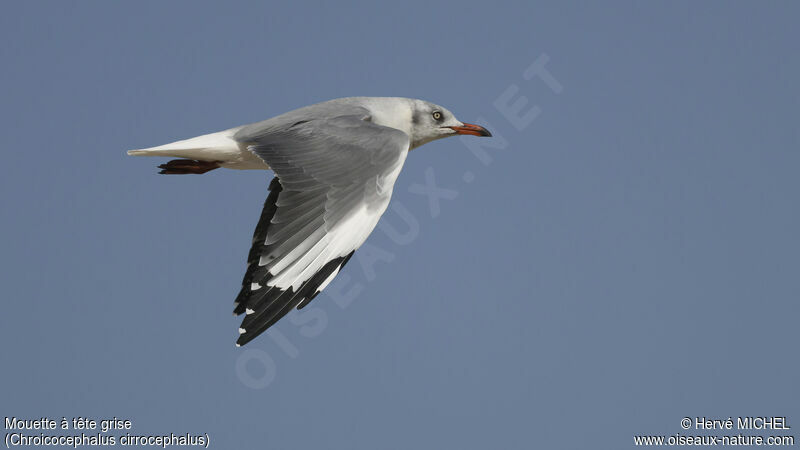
430,121
421,120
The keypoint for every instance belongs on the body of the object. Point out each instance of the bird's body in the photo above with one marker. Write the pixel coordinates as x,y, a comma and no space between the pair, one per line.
335,164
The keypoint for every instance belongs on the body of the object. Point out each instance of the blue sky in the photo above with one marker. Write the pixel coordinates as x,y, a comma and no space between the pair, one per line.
624,258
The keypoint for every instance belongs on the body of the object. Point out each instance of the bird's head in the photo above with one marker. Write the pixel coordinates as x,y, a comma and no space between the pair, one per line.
430,122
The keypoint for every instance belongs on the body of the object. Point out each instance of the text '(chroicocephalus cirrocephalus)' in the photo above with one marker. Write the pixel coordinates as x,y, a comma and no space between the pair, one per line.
335,165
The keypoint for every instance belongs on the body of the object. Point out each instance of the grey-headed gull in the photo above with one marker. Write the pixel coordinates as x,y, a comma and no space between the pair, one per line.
335,165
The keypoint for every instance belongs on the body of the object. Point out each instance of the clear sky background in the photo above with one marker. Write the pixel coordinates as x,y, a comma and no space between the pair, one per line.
626,259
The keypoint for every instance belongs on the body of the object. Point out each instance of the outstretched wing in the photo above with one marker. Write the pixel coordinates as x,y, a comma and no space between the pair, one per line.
334,179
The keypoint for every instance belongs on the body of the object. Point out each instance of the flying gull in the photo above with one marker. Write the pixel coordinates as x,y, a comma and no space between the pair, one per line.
335,165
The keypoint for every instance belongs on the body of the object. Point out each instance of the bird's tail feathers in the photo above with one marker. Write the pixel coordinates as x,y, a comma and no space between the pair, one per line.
218,146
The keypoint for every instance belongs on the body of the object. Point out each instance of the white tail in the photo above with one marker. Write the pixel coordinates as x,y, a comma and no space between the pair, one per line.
218,146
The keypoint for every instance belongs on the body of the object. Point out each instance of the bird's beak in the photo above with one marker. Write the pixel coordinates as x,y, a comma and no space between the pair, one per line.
475,130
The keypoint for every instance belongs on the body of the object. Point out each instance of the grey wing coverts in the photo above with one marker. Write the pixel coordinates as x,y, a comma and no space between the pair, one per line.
334,178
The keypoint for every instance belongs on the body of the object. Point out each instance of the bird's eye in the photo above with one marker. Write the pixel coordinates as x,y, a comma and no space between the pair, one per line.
437,116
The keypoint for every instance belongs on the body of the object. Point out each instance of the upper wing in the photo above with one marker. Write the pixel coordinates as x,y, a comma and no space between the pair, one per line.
334,179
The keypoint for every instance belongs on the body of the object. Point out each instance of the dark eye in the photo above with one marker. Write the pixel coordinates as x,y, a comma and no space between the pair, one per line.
437,116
